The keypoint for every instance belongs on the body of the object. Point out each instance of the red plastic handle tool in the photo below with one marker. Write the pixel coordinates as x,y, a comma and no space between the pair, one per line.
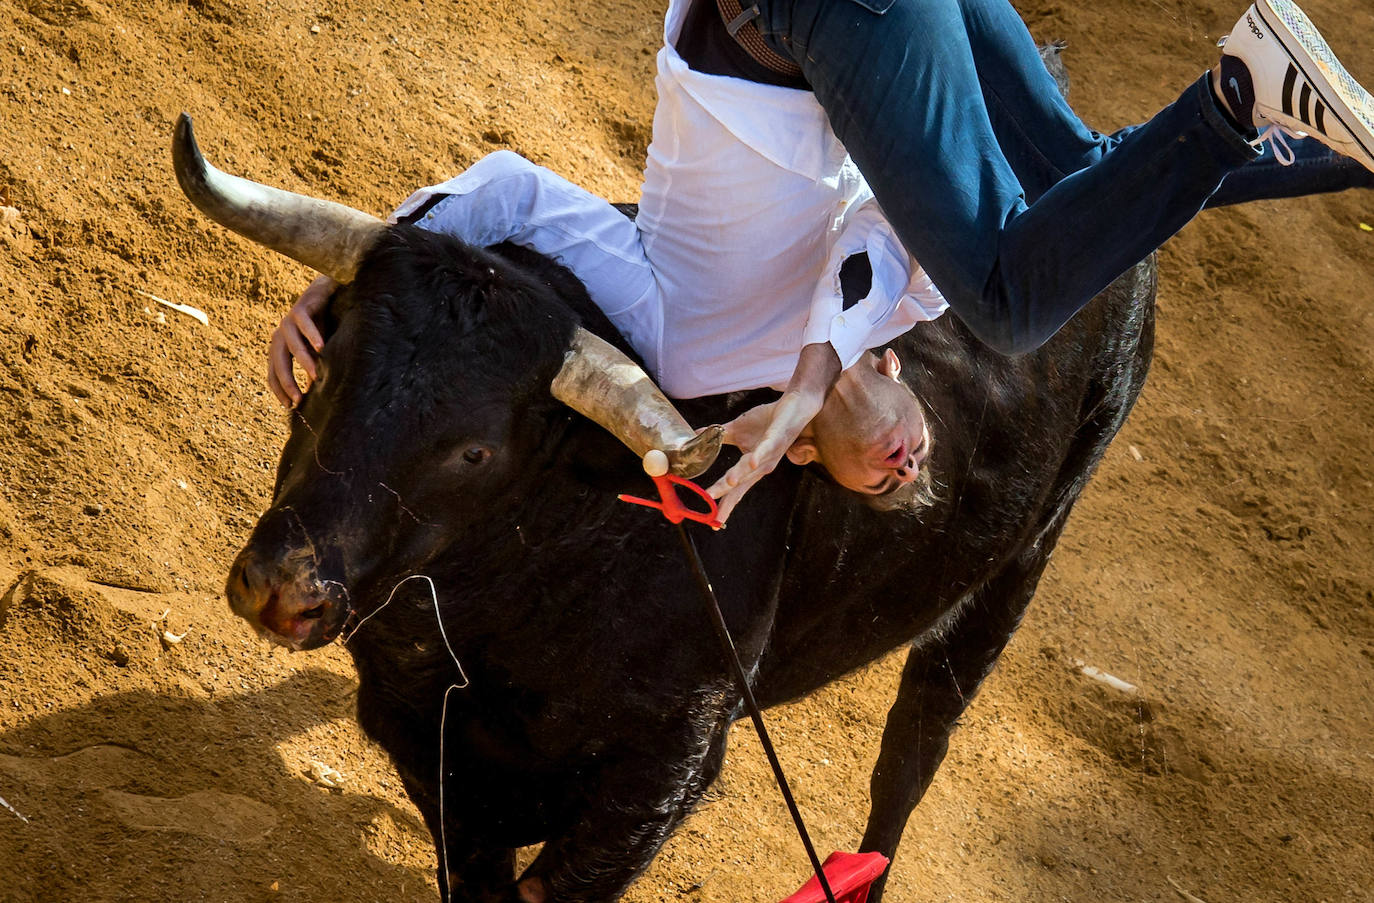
671,506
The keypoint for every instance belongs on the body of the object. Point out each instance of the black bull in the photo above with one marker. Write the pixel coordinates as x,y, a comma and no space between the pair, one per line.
596,708
598,704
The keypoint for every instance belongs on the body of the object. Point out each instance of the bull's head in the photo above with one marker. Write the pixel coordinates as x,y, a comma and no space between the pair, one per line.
432,388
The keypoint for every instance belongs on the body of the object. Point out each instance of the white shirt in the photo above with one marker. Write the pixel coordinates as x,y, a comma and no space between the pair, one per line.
749,206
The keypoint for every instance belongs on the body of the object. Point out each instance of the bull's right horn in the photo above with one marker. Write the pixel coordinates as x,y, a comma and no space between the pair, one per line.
601,383
327,237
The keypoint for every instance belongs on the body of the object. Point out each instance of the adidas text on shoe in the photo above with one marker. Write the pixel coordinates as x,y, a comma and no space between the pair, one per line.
1295,82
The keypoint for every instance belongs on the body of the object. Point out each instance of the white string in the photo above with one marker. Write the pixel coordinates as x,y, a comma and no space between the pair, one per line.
443,832
434,595
443,712
444,633
352,633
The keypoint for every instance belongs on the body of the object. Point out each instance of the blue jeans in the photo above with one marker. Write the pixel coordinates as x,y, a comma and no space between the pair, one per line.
1018,211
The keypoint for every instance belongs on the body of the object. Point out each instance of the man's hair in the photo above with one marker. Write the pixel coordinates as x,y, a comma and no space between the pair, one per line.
908,497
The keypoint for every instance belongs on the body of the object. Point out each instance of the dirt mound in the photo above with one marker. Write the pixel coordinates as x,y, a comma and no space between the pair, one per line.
1220,563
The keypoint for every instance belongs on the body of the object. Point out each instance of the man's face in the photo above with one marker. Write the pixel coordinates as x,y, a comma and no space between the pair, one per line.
871,435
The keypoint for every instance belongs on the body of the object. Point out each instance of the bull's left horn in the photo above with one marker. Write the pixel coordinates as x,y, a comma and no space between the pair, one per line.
601,383
327,237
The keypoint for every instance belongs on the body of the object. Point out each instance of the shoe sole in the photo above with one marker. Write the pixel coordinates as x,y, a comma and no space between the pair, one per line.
1335,87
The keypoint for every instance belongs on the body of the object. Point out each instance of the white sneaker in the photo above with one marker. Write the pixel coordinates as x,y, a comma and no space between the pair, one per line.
1291,82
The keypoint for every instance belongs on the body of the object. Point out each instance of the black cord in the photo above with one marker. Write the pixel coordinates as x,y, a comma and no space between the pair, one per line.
727,646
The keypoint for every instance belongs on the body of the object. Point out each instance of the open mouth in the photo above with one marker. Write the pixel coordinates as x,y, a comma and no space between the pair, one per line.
903,453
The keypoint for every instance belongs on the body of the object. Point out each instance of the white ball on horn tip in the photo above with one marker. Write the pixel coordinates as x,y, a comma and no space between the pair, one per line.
655,463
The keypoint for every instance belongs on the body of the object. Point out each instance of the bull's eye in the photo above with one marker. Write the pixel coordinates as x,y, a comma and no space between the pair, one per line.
477,454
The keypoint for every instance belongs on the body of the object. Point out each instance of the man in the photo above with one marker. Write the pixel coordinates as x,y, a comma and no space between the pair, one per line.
691,317
1021,213
728,278
746,190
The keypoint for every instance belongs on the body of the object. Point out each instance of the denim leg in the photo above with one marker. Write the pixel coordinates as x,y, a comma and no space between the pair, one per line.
1316,169
1096,223
1044,140
904,95
1039,133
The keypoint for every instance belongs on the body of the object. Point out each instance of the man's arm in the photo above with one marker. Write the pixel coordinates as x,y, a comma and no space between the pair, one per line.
502,197
765,439
899,296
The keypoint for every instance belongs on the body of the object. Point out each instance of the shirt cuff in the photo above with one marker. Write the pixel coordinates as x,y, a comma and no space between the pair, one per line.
850,332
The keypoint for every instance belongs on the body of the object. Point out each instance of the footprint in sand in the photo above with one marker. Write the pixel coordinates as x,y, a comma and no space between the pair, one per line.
221,816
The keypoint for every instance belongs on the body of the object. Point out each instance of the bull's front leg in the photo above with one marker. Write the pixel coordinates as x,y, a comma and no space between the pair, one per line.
636,809
469,869
938,682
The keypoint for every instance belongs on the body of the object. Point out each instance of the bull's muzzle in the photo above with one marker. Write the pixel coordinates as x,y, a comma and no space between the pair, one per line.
284,599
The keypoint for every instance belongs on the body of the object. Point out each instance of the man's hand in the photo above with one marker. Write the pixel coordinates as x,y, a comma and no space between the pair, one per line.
764,444
297,337
766,432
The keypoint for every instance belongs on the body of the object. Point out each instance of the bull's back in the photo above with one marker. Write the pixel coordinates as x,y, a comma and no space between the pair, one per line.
1016,439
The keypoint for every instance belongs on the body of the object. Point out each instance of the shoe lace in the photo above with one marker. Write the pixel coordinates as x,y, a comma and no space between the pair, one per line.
1277,136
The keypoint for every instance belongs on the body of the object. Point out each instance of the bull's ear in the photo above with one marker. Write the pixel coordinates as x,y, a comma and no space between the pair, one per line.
802,452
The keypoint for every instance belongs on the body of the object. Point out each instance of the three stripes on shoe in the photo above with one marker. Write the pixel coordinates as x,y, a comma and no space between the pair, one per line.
1310,109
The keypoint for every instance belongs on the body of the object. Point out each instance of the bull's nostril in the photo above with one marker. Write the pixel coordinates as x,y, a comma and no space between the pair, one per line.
313,614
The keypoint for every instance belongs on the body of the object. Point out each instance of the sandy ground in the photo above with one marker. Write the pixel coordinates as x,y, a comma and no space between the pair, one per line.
1221,561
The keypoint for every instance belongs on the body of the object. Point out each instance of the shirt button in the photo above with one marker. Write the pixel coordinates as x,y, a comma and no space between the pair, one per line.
839,321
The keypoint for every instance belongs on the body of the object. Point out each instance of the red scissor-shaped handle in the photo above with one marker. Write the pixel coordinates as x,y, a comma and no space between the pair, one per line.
656,466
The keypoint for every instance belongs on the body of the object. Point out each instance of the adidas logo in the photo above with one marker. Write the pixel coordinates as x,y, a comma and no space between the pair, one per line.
1255,29
1301,103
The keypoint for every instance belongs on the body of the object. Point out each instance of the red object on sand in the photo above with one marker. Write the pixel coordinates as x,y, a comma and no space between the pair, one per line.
850,875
